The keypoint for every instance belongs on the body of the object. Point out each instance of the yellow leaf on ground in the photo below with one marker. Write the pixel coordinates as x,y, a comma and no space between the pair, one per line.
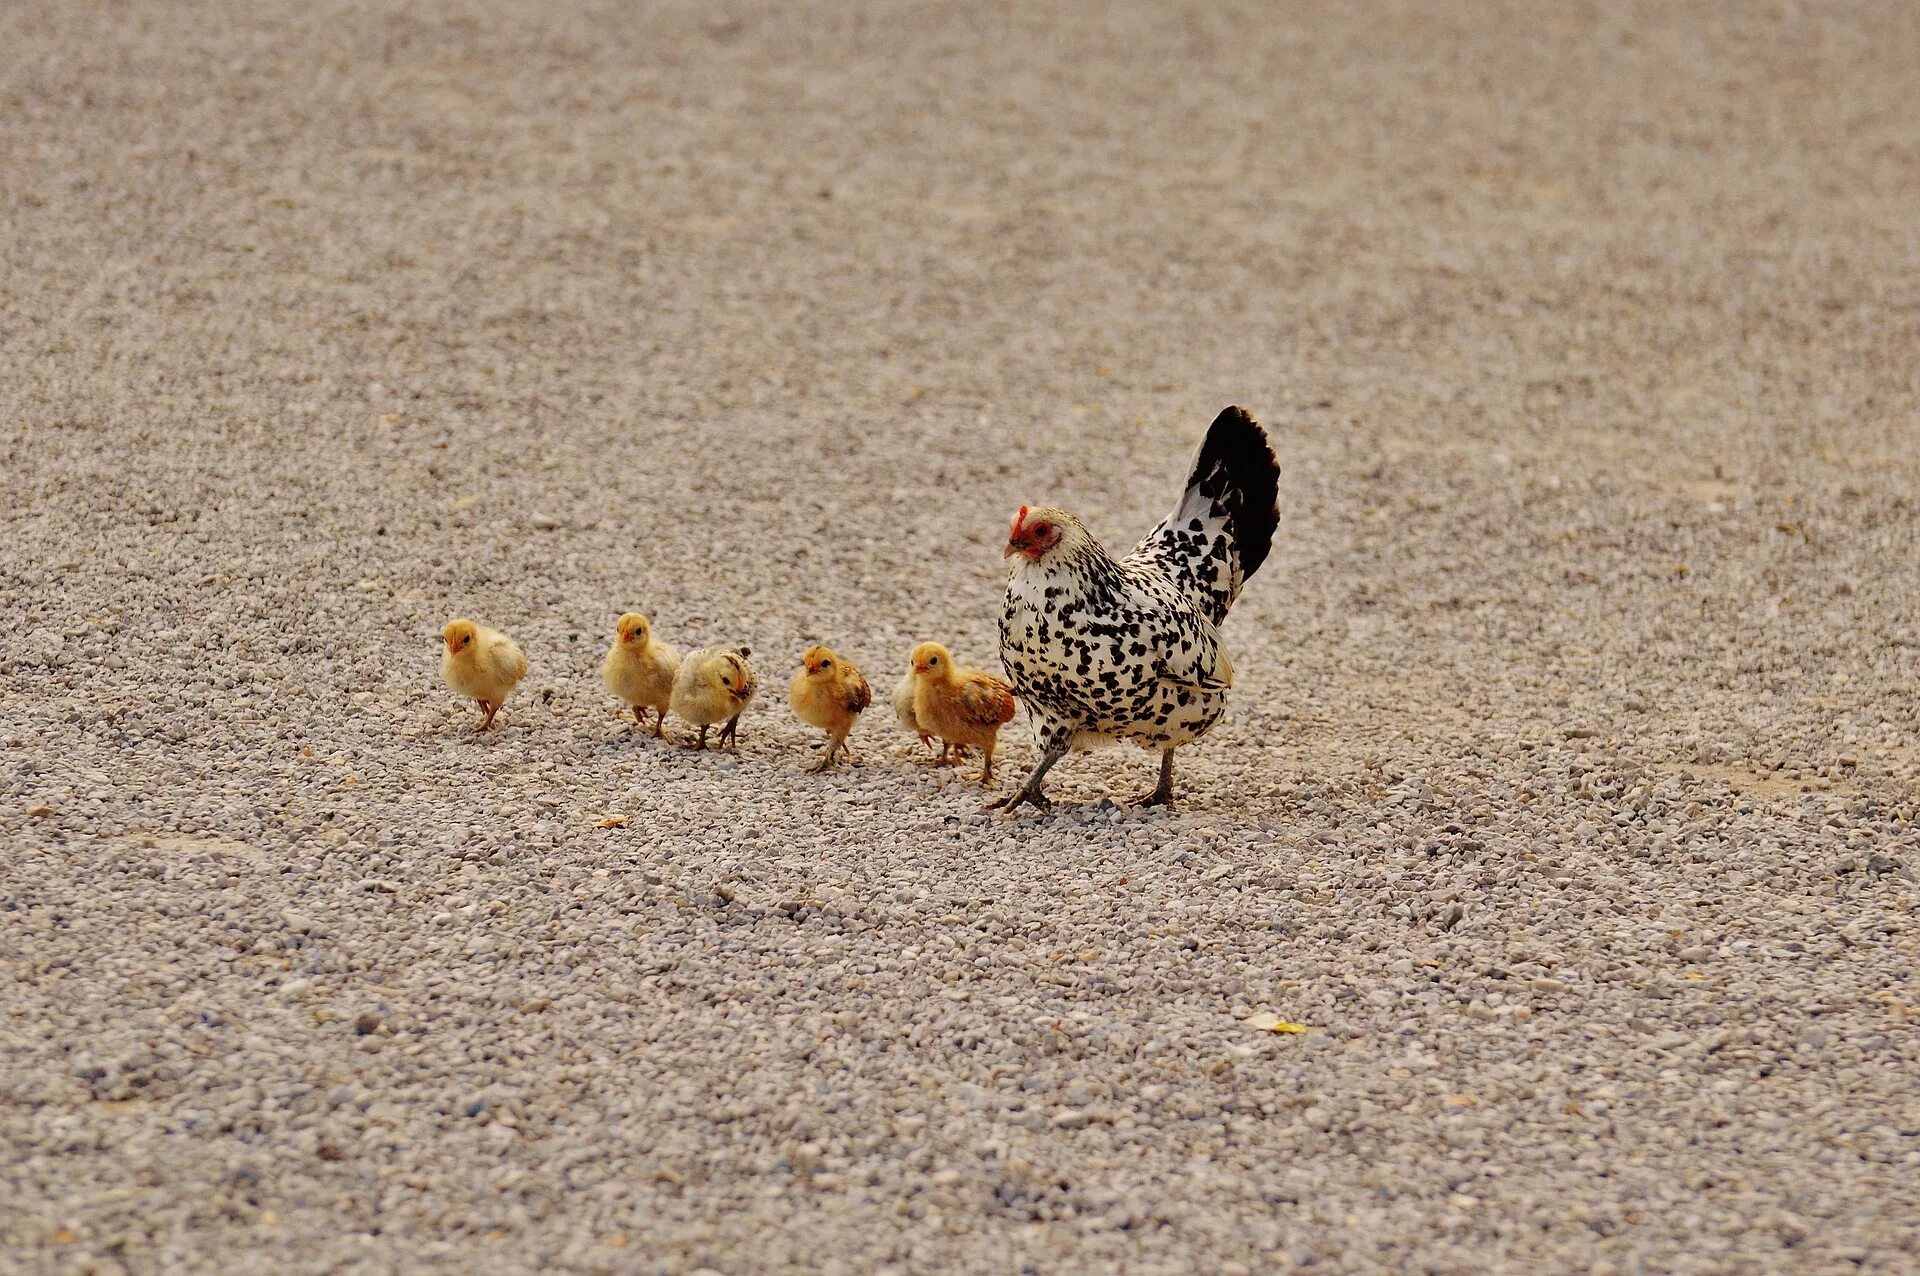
1460,1100
611,822
1267,1021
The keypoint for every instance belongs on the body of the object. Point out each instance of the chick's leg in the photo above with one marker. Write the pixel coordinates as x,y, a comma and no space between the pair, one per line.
660,724
1032,792
640,715
730,734
701,743
489,708
826,759
1162,794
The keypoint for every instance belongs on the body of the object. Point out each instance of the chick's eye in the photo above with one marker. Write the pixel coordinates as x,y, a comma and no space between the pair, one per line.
826,664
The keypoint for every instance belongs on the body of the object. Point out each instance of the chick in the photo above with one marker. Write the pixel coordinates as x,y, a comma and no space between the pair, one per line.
903,693
961,706
639,669
831,694
482,663
713,685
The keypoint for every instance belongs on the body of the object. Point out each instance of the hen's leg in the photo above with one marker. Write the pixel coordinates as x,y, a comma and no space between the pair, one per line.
1032,792
1162,794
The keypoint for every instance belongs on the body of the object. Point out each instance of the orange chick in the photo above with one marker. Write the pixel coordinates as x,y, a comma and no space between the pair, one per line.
961,706
829,693
482,663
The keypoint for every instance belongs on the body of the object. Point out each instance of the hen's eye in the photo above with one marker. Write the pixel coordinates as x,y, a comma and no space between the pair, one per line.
1041,529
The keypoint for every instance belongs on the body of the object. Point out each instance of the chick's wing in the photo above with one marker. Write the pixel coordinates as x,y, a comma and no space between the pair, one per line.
986,701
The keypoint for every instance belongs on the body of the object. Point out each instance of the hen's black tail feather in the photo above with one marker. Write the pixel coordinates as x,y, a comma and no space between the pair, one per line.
1236,472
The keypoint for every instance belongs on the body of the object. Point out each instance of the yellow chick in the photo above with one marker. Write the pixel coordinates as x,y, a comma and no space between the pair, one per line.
482,663
961,706
903,693
713,685
831,694
639,669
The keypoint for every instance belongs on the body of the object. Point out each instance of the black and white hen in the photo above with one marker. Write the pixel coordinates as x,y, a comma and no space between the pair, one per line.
1129,649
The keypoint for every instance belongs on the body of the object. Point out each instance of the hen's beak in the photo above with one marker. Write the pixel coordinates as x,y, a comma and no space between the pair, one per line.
1011,549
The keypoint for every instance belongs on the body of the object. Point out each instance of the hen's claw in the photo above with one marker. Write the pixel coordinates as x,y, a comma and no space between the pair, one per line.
1012,801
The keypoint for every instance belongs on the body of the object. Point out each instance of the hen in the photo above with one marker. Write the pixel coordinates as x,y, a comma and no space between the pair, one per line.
1104,649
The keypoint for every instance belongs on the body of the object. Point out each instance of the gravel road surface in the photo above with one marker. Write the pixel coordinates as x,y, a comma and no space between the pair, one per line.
1567,793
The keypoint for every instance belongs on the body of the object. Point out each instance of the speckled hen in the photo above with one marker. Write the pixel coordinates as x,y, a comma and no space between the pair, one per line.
1129,649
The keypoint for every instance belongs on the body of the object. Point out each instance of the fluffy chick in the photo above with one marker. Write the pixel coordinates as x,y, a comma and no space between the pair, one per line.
713,685
482,663
961,706
829,693
639,669
903,693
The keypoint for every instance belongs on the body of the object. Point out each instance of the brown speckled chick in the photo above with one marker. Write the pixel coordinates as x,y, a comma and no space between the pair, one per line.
961,706
714,685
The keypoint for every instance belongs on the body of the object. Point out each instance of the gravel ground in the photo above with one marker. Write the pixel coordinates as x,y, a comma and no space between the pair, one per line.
1567,795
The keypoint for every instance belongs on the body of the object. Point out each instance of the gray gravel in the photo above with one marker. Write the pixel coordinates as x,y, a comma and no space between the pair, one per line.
1567,792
